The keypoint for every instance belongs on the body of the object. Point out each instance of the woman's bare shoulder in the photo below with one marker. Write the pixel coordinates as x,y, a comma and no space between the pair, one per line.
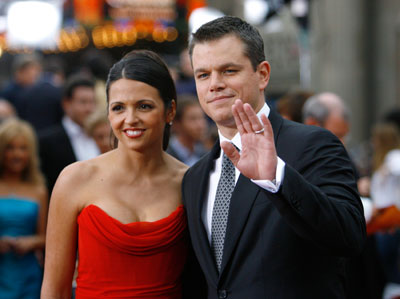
177,167
76,177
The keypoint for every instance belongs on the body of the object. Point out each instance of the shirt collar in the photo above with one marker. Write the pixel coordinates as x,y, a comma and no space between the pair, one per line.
72,128
236,139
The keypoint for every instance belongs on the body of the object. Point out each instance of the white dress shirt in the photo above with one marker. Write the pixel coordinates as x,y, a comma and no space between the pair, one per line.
83,146
216,173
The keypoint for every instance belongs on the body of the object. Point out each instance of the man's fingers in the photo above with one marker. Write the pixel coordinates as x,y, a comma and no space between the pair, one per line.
268,132
255,123
238,121
230,150
244,120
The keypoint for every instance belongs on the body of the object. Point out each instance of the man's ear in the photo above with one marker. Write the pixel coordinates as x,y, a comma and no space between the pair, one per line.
311,121
263,70
65,103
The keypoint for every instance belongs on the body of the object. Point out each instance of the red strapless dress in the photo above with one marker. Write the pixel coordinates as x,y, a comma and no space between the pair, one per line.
135,260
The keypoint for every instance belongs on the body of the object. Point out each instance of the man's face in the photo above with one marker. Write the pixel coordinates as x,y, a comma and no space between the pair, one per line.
223,74
81,104
194,123
337,125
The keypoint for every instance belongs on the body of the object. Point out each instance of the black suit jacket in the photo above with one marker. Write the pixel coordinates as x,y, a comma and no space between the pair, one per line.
292,244
56,152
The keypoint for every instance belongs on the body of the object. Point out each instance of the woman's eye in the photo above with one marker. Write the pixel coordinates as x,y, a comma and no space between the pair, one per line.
145,106
116,108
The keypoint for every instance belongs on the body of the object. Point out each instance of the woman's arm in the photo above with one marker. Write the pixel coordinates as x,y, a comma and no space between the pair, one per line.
61,237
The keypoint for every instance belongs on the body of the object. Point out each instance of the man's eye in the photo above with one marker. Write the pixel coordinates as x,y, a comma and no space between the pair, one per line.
230,71
202,76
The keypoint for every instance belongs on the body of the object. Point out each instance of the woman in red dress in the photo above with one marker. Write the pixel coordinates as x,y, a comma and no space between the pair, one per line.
122,211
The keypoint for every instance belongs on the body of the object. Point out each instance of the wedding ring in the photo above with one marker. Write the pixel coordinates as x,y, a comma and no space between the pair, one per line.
259,131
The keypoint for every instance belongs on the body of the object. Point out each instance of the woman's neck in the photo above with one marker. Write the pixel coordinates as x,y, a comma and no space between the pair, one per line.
11,177
142,163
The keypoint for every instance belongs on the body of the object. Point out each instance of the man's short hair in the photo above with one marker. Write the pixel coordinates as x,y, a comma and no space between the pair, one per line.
22,61
229,25
318,109
185,100
76,81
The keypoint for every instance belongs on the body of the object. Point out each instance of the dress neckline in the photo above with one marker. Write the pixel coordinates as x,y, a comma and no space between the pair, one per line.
173,214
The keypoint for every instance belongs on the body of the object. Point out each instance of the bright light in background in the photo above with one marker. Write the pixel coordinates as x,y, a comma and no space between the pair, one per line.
33,24
201,16
299,8
255,11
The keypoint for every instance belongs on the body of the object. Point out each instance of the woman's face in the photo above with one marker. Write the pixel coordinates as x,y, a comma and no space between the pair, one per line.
137,114
16,155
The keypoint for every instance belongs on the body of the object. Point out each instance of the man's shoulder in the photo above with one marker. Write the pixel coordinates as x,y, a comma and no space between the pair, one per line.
51,133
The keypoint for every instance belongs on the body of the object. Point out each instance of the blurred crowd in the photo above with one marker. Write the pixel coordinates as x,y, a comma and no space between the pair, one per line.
49,120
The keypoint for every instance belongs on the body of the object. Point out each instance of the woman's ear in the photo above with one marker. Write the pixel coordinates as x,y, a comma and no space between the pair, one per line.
171,112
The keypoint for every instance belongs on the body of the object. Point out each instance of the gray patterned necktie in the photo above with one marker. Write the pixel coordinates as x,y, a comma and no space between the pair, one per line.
220,212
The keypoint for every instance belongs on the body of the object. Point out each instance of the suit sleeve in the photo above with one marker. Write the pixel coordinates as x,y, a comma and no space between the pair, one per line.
318,197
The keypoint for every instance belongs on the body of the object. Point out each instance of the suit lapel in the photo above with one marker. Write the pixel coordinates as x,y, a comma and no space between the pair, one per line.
200,242
242,201
65,143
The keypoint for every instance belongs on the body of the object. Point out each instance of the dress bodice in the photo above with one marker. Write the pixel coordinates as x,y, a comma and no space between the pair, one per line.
20,275
18,216
135,260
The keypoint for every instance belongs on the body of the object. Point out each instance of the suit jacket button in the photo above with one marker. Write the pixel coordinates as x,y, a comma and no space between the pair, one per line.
222,294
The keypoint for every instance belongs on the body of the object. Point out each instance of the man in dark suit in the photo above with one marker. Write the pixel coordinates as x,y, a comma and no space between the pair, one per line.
292,215
67,142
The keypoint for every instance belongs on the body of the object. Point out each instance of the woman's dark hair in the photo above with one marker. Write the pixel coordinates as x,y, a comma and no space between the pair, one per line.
147,67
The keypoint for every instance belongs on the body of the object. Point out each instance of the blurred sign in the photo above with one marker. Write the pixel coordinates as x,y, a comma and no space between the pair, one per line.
89,12
142,9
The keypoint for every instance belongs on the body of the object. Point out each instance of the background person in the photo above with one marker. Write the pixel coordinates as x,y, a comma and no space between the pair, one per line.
7,110
67,142
26,70
98,127
328,110
190,131
23,212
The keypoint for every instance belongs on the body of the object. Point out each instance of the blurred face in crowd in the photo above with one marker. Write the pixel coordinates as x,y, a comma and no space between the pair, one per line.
337,125
6,110
81,104
101,135
29,74
193,123
16,155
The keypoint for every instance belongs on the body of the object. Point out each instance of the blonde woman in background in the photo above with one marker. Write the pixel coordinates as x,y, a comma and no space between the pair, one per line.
98,127
23,210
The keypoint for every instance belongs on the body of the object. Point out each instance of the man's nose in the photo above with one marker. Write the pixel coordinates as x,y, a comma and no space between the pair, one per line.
216,82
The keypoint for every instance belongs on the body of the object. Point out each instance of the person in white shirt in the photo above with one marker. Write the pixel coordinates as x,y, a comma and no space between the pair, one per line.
68,142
